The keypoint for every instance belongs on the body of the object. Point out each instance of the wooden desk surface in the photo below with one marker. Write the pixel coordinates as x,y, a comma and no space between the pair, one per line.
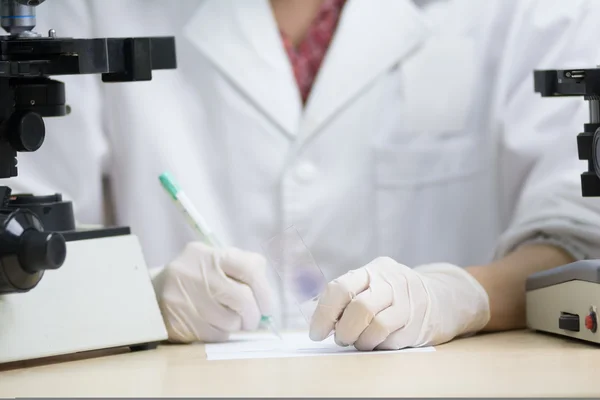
508,364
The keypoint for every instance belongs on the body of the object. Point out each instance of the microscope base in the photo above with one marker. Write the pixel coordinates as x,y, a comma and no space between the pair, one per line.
101,298
563,301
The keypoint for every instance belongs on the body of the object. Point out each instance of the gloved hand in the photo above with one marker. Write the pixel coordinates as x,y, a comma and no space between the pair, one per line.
388,306
207,293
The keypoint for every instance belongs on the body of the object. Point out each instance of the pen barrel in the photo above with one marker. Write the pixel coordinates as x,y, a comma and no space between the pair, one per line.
196,220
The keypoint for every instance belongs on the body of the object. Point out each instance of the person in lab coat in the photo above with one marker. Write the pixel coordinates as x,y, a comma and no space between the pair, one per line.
402,138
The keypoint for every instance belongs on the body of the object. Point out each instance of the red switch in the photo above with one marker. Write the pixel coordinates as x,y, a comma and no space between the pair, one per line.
590,322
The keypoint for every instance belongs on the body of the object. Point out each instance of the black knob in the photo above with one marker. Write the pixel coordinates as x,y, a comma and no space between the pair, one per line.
28,131
26,251
40,251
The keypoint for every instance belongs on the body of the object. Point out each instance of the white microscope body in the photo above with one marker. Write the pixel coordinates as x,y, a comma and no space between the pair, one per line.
100,298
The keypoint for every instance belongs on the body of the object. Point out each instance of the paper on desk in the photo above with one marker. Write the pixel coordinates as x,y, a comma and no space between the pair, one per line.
259,345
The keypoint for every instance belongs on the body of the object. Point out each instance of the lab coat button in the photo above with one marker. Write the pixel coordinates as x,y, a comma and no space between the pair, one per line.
306,172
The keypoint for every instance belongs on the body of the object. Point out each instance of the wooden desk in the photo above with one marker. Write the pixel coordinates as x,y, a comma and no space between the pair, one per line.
507,364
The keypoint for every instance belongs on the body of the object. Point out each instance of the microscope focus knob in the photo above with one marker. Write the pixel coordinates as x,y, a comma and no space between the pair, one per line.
26,251
28,131
40,251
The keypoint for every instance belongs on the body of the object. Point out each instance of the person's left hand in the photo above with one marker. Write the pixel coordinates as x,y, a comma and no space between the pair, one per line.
388,306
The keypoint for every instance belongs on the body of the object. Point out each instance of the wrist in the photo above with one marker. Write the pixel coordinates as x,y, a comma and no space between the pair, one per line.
504,281
459,306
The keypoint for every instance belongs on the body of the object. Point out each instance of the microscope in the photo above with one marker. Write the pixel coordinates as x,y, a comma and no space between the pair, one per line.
63,289
565,300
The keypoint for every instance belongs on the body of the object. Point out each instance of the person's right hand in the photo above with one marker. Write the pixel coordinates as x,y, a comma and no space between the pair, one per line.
207,293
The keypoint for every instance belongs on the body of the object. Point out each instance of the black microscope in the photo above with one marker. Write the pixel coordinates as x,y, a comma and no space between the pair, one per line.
96,292
564,300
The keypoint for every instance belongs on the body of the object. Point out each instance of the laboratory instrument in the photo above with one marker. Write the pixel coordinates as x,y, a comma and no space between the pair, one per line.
564,300
65,289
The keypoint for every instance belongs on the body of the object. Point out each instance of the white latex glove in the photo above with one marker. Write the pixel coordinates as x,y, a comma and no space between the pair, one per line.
207,293
388,306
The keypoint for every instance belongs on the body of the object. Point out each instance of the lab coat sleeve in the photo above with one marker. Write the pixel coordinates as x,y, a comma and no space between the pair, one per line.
538,162
75,149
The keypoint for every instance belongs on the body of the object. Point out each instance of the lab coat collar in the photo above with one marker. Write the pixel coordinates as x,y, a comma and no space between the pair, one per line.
372,36
242,39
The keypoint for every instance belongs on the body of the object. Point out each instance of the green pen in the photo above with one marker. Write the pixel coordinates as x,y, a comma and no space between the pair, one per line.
195,219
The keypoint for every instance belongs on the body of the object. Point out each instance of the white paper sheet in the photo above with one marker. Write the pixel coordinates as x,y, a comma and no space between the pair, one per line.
266,345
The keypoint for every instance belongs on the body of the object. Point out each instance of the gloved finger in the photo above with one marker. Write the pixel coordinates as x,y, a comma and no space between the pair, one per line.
192,286
398,340
239,298
338,294
181,329
387,321
360,312
407,336
250,269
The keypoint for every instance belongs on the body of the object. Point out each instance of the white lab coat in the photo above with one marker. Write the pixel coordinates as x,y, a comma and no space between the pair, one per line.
422,140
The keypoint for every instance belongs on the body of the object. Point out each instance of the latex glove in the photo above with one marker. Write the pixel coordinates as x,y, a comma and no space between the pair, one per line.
387,306
207,293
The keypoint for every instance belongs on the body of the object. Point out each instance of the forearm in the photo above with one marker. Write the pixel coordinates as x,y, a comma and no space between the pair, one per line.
504,282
